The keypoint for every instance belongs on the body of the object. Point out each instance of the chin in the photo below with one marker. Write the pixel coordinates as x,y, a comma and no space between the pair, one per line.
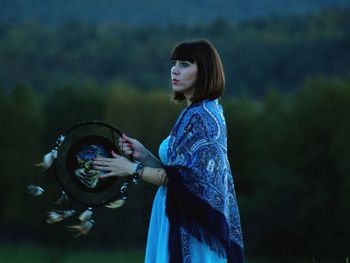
177,89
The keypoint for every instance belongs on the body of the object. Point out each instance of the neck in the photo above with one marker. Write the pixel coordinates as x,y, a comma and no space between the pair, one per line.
188,101
188,97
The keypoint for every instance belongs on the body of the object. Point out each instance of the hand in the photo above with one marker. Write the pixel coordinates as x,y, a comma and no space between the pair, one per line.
134,148
116,166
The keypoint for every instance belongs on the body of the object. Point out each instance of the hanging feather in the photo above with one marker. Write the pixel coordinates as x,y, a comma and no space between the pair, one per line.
63,198
82,229
116,204
48,160
86,215
55,216
35,190
123,196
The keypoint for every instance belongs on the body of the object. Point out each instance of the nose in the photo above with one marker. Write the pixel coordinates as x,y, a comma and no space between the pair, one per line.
175,70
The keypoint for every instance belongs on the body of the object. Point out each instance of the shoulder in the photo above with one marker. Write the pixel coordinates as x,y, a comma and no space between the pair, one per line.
209,110
205,117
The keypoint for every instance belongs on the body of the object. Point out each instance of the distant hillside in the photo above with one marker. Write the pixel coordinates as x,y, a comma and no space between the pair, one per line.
137,12
256,54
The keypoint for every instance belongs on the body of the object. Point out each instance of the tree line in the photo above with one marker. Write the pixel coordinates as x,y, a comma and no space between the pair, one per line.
257,54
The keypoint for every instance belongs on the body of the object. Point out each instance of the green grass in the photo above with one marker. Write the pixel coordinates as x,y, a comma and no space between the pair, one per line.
34,254
42,254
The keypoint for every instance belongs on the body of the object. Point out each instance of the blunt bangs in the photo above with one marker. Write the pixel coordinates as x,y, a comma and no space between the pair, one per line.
185,51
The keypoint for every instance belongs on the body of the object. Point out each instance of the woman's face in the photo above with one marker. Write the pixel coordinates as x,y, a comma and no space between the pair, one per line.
183,76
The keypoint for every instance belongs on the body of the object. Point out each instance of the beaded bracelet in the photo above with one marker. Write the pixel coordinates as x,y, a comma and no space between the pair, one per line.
136,176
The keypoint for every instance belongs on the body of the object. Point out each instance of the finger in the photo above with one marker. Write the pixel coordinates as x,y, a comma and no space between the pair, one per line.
114,154
107,175
127,148
129,152
121,140
102,168
102,159
104,176
101,162
128,139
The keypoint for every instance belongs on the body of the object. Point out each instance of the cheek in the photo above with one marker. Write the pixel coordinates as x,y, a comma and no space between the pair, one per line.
192,76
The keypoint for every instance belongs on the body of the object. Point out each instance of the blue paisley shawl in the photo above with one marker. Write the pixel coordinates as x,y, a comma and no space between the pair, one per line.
200,198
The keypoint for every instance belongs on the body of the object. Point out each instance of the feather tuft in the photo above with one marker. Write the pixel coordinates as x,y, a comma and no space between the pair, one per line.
35,190
115,204
83,228
55,216
48,160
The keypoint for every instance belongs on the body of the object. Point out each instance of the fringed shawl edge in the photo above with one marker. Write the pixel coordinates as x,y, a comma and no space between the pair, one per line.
206,224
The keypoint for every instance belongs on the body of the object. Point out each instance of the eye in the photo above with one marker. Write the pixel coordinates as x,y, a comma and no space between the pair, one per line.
184,64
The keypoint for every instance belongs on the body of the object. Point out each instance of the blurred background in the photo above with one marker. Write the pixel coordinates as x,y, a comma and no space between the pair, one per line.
287,107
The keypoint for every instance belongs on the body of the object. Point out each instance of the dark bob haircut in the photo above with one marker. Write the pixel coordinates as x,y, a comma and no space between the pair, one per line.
210,82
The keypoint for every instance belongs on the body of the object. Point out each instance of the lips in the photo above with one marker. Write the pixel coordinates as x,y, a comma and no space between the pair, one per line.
175,81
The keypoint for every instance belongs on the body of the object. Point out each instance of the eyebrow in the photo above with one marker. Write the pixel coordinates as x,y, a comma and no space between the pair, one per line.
182,60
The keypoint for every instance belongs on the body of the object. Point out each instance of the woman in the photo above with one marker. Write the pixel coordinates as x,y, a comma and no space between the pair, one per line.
195,217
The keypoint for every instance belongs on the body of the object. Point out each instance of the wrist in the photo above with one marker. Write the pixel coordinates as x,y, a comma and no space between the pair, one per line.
132,168
136,174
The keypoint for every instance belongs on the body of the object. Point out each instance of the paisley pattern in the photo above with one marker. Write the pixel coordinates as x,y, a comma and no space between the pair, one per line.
186,245
198,153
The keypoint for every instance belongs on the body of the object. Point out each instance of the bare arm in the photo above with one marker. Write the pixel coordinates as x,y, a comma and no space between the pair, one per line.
155,176
152,161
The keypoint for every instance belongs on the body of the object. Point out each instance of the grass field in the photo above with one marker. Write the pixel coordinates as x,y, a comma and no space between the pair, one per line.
33,254
41,254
